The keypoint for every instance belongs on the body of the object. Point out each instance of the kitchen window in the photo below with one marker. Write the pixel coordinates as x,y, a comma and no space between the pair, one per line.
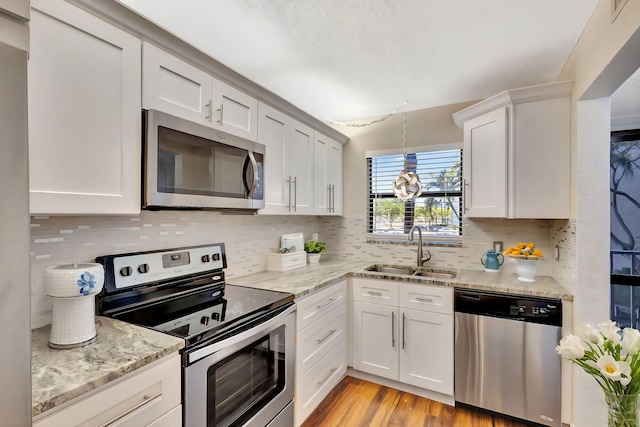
438,211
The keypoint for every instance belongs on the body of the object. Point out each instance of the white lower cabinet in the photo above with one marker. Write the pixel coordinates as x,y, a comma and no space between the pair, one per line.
148,397
321,347
404,332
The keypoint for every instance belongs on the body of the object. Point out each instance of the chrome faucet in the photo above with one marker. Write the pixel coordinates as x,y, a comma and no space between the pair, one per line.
421,260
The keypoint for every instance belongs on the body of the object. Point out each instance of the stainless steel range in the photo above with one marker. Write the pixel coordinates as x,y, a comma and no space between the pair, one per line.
239,355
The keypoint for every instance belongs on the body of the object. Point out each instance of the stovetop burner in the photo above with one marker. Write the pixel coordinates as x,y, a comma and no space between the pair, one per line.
181,292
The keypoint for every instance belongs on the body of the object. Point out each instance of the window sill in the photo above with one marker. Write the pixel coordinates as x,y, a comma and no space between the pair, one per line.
401,240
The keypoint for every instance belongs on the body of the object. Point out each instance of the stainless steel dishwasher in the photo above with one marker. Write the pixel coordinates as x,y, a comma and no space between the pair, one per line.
505,358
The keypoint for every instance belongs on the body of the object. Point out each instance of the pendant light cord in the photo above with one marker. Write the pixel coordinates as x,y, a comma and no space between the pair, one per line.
373,122
404,138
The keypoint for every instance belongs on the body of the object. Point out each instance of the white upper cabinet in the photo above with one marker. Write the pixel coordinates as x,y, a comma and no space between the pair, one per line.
516,157
84,113
171,85
300,159
327,176
300,166
175,87
275,133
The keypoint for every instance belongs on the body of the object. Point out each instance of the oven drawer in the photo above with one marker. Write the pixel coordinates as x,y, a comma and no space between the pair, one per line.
138,399
317,304
316,384
316,340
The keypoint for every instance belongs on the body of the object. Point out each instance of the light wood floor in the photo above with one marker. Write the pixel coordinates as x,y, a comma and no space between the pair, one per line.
359,403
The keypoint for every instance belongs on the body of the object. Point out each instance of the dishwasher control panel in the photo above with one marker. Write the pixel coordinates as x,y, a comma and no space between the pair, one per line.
507,306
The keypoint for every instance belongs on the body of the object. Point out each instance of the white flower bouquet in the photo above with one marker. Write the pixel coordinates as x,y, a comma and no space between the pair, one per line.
613,360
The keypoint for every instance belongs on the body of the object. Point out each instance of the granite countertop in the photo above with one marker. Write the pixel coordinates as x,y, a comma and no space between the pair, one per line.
58,376
305,280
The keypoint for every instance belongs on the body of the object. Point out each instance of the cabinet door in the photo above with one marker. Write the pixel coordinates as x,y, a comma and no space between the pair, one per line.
235,111
300,161
375,339
84,114
321,186
175,87
426,350
335,176
541,182
274,132
485,165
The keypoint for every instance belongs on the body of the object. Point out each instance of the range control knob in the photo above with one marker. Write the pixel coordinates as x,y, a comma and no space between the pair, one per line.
216,257
204,320
205,258
143,268
126,271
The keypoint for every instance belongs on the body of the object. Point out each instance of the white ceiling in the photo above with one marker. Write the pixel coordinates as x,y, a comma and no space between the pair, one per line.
354,59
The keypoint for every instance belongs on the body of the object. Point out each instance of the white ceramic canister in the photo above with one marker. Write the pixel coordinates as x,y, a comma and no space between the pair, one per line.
74,280
73,288
73,323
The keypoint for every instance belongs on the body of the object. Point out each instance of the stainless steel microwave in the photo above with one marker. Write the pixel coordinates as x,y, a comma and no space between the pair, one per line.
187,165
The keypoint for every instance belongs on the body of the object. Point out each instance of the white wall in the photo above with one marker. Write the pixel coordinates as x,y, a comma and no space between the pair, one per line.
606,54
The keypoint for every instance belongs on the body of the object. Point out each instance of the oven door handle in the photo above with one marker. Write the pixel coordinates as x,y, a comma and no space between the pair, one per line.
267,326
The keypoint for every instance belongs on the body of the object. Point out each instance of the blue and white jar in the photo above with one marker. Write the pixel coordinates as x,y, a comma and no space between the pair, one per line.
72,289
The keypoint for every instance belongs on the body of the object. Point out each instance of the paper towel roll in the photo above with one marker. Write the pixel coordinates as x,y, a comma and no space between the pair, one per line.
74,280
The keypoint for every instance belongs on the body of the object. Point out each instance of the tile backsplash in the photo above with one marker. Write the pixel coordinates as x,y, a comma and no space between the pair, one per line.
65,240
248,238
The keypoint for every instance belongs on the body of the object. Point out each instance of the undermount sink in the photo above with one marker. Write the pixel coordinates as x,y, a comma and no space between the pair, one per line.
410,271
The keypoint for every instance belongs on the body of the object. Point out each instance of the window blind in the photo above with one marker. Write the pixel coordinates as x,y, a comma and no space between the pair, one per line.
438,211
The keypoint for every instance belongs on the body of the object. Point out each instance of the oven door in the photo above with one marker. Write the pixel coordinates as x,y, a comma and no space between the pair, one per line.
193,166
245,380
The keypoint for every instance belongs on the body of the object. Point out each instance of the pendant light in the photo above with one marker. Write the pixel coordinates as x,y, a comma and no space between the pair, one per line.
407,185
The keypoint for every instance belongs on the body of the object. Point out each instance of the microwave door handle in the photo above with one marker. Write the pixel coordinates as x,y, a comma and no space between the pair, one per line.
254,183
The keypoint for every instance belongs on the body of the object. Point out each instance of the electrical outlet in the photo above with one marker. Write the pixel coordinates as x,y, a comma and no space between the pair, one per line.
497,247
557,250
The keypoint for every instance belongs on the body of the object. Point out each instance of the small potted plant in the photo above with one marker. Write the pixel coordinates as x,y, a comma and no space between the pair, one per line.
314,249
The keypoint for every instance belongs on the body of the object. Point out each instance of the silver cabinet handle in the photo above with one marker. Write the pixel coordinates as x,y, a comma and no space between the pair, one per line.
210,106
320,307
289,181
331,371
254,165
393,330
331,332
145,400
375,294
295,194
424,299
329,198
333,198
221,109
403,322
464,194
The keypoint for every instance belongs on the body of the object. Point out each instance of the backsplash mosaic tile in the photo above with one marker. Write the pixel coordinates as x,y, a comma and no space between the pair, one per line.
65,240
563,234
349,239
248,239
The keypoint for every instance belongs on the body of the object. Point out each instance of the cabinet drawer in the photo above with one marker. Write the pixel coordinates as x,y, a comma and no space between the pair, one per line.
437,299
316,340
286,262
137,400
317,304
375,291
316,384
170,419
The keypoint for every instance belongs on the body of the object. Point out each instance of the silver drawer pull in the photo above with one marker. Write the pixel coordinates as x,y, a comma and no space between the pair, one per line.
424,299
375,294
320,307
321,340
320,383
145,400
